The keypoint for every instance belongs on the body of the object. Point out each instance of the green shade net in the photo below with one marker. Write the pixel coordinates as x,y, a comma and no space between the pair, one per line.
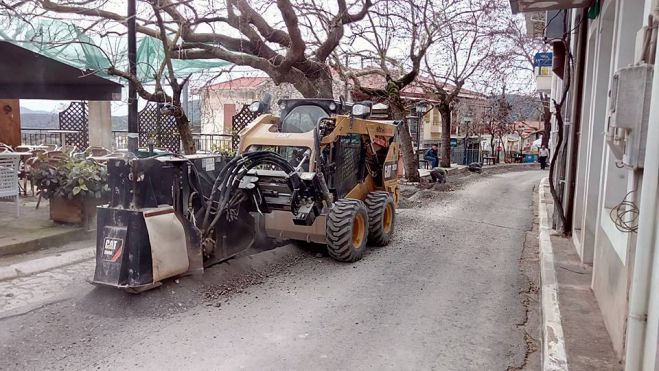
67,43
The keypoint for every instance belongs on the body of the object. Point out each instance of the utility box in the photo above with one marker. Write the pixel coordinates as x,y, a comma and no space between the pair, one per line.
629,109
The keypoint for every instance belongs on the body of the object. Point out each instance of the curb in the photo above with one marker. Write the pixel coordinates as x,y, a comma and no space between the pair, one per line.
30,267
57,238
554,356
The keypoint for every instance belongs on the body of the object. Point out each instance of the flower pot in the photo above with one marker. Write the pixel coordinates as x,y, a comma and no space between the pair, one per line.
73,211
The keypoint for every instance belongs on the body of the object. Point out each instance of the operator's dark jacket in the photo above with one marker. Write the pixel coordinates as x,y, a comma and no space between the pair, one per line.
430,155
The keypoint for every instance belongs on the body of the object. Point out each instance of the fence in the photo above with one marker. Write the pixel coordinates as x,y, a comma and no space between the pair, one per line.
462,156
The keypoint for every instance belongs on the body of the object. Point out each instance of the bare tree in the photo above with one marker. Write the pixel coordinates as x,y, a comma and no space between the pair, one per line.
522,49
470,46
415,26
244,33
496,120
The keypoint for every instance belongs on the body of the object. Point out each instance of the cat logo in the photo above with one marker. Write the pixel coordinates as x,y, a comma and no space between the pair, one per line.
112,249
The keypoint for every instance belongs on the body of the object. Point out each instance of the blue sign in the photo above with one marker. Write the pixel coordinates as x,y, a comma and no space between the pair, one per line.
543,59
454,142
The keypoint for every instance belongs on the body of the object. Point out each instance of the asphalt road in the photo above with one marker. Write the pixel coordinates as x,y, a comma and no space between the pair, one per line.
443,296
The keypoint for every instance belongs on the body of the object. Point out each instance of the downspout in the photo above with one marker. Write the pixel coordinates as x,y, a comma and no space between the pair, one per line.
638,351
582,44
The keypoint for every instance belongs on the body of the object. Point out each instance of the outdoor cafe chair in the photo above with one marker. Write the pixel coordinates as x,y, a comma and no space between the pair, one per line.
28,165
9,167
5,148
96,151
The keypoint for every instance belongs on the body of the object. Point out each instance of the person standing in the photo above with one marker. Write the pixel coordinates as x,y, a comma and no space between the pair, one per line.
432,156
543,155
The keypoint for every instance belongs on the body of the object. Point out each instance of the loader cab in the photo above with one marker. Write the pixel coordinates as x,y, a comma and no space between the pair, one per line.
302,115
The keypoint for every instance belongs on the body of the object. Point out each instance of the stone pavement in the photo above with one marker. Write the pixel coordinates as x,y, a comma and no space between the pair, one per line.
23,294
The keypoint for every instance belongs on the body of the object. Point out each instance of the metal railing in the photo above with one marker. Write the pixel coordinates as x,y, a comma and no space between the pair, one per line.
203,142
37,137
212,142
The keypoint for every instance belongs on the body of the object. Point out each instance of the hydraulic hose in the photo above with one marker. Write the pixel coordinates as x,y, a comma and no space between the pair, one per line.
227,181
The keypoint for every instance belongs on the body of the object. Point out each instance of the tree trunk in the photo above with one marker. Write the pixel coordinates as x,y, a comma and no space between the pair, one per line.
316,87
492,144
410,158
546,118
503,148
183,126
445,153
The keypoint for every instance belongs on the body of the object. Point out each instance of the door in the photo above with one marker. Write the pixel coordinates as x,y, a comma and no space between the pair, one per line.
10,122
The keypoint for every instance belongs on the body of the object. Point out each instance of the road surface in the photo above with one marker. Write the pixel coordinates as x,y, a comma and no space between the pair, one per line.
443,296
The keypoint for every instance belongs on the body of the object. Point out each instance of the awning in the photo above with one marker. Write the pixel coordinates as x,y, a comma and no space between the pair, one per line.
524,6
28,75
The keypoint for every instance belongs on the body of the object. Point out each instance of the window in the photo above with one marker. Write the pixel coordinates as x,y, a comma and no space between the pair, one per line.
302,119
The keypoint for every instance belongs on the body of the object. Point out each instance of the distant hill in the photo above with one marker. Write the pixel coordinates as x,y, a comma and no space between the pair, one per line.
31,119
38,120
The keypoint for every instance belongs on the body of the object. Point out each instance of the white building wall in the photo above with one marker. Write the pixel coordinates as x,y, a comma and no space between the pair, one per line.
602,184
611,263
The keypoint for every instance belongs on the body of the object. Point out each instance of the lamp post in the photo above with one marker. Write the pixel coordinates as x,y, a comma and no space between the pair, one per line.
420,111
132,69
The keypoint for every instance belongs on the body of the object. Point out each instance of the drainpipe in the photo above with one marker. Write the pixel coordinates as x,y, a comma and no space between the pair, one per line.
582,43
645,258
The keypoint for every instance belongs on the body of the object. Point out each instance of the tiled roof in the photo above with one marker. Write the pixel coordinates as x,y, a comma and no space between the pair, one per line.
239,83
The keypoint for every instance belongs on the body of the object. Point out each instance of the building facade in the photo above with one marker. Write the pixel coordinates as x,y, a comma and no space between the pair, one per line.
607,170
221,101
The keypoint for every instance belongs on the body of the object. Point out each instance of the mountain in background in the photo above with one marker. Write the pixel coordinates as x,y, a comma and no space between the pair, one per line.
31,119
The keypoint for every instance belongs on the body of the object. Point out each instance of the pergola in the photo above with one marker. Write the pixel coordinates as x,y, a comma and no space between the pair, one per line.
25,74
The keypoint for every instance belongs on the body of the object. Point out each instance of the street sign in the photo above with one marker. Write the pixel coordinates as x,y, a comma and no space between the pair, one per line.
454,142
543,59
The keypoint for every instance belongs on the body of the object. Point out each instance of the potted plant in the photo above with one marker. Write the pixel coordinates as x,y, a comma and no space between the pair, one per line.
74,186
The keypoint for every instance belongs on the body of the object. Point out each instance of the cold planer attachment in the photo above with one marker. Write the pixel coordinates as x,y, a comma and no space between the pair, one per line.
172,215
149,230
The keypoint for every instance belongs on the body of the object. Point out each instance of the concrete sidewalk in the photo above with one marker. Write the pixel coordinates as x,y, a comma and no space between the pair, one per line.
571,316
33,230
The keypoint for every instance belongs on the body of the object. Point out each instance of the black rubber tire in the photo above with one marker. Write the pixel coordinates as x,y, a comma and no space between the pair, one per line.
376,204
339,230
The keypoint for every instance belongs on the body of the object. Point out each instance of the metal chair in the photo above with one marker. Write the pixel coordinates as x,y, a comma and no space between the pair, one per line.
9,168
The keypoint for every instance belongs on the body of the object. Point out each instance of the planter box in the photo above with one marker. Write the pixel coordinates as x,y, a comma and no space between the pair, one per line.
74,211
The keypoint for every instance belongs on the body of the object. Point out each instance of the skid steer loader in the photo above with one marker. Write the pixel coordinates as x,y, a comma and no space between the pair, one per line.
320,172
